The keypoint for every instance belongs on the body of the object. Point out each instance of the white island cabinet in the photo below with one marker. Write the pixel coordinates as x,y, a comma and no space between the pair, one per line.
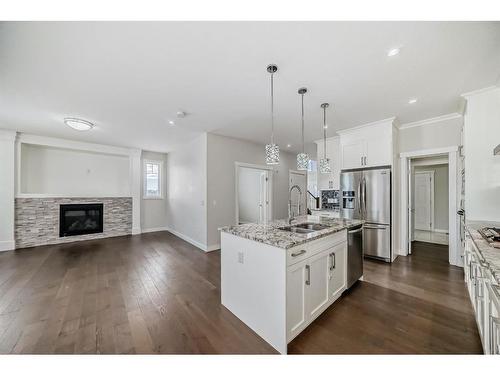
279,291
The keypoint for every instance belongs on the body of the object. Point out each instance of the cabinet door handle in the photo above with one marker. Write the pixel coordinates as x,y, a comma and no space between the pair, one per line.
308,275
333,261
298,253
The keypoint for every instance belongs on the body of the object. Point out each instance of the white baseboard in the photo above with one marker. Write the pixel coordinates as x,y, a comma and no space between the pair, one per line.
7,245
199,245
149,230
213,247
136,231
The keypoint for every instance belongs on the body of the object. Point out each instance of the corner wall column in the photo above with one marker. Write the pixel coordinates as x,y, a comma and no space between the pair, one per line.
135,176
7,189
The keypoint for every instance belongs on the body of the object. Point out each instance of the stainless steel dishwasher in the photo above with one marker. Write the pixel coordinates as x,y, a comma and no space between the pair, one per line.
354,255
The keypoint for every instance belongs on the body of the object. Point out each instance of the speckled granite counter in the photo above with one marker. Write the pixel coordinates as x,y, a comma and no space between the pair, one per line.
269,234
490,254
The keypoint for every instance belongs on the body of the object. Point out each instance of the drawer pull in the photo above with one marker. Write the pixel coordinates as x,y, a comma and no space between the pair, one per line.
298,253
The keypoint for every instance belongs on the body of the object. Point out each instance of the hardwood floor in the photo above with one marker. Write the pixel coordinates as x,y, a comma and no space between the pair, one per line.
155,293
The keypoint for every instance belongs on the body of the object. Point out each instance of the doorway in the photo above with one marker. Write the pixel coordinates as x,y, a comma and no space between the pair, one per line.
253,193
436,220
430,199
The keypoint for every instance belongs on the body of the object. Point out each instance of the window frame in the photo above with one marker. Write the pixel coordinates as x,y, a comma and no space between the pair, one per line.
144,178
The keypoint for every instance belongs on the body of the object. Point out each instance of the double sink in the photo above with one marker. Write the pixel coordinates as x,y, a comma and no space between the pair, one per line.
304,228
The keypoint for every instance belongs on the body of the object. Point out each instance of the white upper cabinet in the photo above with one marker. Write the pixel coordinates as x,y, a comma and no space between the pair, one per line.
366,146
330,180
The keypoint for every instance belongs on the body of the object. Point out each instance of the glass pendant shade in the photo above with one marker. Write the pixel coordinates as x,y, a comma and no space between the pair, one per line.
324,166
272,154
302,161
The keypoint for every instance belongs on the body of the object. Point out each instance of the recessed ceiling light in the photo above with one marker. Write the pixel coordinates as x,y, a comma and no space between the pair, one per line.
393,52
289,145
412,101
78,124
171,123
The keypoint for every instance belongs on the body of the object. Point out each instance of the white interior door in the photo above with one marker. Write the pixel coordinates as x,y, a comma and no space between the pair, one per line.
423,200
253,195
299,178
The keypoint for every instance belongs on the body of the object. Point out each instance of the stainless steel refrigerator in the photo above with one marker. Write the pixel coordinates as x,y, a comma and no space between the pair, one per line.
366,195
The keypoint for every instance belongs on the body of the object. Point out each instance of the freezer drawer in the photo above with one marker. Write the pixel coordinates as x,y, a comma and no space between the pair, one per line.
377,241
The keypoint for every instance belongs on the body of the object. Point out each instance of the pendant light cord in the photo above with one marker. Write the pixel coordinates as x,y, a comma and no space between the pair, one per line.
272,108
303,124
324,132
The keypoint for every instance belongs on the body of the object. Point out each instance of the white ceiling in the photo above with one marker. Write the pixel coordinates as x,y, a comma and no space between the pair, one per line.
130,78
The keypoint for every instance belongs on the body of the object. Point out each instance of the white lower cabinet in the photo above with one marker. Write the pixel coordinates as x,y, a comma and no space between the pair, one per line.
313,284
484,294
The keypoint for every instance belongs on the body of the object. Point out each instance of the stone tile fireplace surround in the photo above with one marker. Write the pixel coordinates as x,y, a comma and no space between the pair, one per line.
37,220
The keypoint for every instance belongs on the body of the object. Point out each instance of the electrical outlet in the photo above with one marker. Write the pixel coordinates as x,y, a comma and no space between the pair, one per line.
241,257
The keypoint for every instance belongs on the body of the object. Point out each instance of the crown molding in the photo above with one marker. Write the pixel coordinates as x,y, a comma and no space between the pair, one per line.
390,120
432,120
479,91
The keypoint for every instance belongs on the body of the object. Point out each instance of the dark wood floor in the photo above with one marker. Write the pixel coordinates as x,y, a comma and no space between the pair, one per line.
155,293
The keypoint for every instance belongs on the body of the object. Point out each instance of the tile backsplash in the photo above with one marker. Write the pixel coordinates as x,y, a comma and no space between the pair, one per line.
330,199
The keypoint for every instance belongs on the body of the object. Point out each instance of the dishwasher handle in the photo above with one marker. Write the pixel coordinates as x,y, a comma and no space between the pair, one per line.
355,231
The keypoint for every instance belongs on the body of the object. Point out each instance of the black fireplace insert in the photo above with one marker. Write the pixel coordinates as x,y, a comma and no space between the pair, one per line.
77,219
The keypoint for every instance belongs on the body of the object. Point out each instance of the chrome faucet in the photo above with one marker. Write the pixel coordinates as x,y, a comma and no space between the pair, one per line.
291,217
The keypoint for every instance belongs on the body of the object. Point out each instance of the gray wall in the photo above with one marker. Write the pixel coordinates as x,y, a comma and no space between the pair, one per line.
223,152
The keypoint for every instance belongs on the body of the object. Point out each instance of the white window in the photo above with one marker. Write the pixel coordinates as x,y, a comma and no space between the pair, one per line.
152,179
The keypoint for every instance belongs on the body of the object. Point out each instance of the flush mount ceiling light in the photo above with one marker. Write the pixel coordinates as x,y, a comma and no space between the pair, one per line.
324,162
412,101
78,124
272,149
393,52
302,158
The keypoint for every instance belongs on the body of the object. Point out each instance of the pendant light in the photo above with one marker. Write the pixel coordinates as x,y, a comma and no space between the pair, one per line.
272,149
302,158
324,162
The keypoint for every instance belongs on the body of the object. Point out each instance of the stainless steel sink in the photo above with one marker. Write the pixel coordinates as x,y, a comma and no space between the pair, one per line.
294,229
304,228
311,226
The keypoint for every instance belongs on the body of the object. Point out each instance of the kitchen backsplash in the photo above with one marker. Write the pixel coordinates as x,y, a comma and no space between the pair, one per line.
330,199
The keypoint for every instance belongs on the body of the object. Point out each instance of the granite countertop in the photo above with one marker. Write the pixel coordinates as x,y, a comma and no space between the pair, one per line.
269,234
490,254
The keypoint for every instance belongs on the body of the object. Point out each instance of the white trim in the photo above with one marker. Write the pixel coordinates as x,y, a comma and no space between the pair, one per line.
429,152
431,173
441,160
151,230
160,179
136,230
455,256
213,247
432,120
479,91
30,195
379,122
7,245
199,245
270,193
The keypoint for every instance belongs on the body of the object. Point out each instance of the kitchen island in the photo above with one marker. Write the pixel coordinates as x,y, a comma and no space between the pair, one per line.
277,278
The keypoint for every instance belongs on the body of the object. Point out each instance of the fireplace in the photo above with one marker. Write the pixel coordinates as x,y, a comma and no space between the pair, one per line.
77,219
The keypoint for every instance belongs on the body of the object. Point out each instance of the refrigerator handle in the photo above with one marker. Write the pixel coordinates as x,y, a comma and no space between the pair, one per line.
364,196
359,199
